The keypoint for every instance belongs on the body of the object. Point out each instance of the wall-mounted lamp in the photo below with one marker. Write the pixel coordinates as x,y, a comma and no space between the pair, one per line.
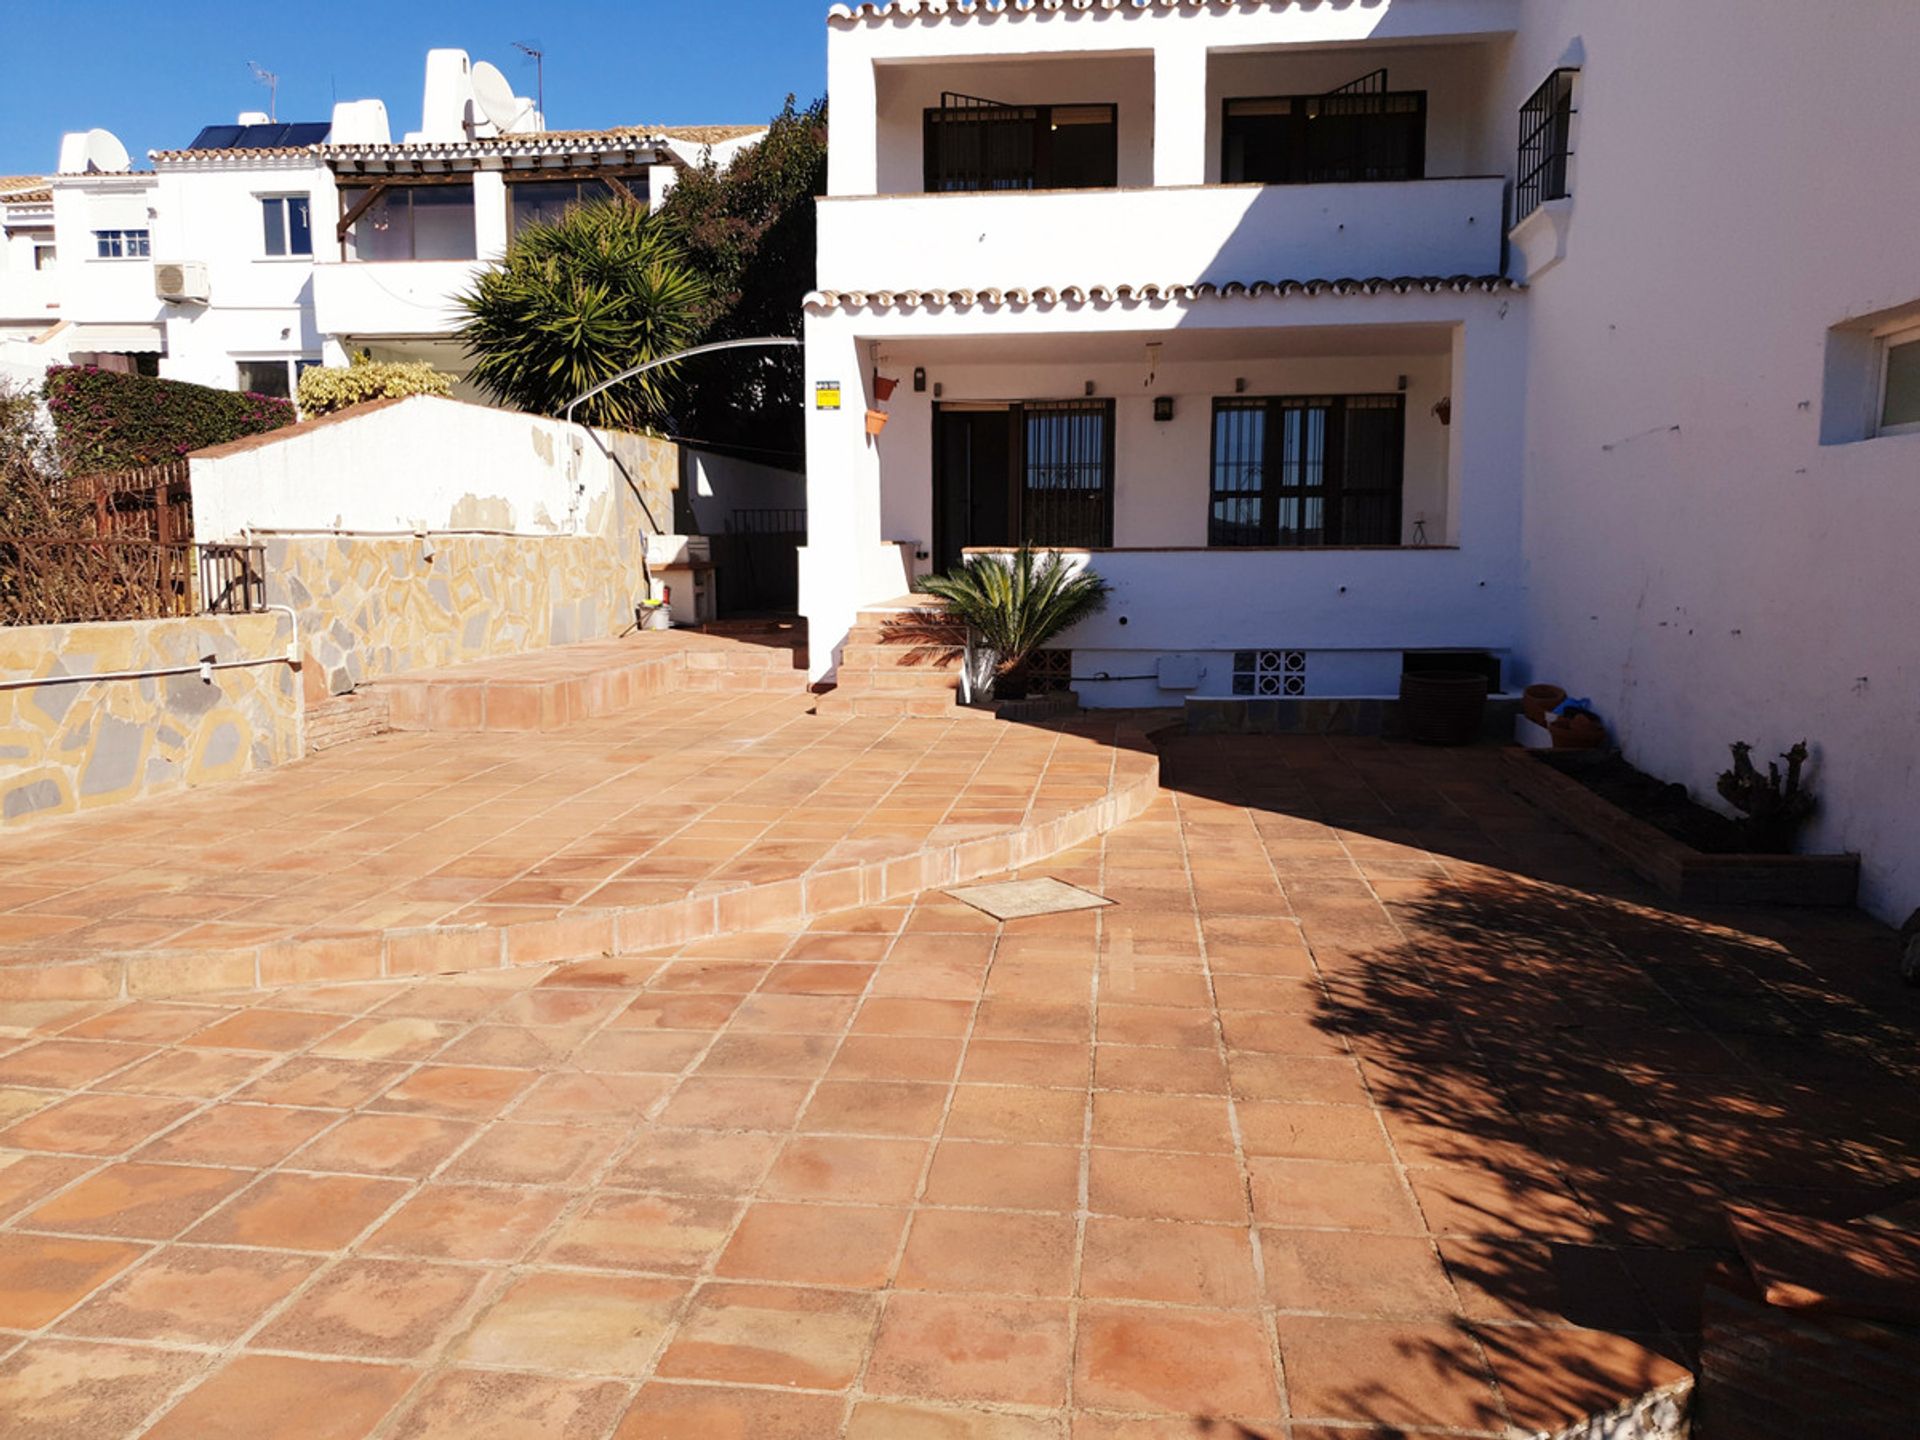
1403,385
919,379
1443,409
938,389
1163,407
1239,384
1089,389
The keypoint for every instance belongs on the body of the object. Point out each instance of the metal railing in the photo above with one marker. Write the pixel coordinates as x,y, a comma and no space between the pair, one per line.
1546,144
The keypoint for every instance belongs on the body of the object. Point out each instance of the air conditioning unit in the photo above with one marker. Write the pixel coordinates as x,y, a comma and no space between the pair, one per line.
185,281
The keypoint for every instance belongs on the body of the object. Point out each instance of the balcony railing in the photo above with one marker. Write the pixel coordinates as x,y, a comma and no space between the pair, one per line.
1169,235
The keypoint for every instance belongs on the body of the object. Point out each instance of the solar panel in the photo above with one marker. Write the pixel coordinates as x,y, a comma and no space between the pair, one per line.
272,136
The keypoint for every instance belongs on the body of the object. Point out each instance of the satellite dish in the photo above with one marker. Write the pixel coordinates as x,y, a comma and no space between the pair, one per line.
495,97
104,152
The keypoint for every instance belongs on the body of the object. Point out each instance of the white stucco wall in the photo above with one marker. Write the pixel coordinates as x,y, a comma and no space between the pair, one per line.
714,486
1699,563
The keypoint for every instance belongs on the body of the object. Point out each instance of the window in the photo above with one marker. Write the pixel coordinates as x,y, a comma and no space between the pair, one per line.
1353,134
1307,470
1546,144
121,244
1900,382
44,255
974,144
542,202
288,224
414,222
1066,473
279,377
1269,672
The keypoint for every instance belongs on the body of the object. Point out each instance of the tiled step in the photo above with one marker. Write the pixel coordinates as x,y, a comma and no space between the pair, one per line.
902,704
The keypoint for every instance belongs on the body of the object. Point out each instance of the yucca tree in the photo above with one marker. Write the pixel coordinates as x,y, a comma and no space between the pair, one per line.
600,290
1012,605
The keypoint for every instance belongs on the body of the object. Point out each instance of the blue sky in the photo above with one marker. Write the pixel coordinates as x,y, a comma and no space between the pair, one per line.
155,71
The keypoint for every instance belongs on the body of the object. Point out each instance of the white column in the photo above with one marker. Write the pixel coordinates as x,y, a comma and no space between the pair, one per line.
490,214
853,148
1180,115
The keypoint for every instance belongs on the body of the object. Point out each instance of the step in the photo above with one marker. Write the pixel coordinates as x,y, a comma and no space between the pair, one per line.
867,704
895,657
894,680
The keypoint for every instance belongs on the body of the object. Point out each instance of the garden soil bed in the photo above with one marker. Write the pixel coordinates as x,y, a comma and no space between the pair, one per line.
1670,841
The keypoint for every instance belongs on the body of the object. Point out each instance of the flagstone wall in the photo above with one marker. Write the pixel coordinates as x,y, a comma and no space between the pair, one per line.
75,744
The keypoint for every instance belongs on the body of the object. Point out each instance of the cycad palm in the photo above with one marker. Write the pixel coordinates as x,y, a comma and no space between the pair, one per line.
1014,604
573,303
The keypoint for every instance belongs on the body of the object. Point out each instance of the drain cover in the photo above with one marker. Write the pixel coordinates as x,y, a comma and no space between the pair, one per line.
1019,899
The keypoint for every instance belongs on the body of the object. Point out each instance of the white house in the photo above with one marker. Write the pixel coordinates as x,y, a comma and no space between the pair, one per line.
264,246
1580,333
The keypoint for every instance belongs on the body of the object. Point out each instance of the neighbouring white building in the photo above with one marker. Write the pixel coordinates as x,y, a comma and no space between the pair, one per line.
1579,334
263,246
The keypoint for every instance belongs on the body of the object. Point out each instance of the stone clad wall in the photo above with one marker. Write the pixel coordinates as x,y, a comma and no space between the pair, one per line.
82,745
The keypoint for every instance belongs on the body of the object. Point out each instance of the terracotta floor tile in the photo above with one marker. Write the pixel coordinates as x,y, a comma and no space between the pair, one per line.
25,1177
891,1057
772,1335
905,1420
831,1167
1028,1062
961,1250
138,1201
250,1135
67,1064
199,1074
1162,1122
1396,1372
300,1212
41,1275
664,1411
814,1244
1326,1193
794,1014
1172,1025
890,1016
520,1047
666,1234
1334,1079
1175,1261
1353,1273
467,1222
875,1107
817,979
1552,1379
1184,1072
461,1092
793,1057
372,1309
1551,1284
1185,1362
736,1103
968,1348
1311,1132
583,1324
256,1395
652,1052
191,1294
511,1153
1005,1176
1004,1112
1485,1202
583,1008
60,1390
1154,1185
17,1103
676,1012
382,1037
490,1405
593,1099
321,1084
265,1029
94,1124
149,1021
383,1145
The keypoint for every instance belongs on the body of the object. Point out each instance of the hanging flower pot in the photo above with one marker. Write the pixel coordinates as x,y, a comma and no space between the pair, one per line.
876,421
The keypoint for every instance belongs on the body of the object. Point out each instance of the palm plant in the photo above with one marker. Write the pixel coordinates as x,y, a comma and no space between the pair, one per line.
598,291
1012,605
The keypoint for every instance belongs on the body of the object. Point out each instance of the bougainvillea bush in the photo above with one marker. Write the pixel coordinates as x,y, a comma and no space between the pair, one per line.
109,421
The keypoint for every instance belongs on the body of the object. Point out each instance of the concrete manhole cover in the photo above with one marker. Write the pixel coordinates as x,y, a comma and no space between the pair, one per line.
1020,899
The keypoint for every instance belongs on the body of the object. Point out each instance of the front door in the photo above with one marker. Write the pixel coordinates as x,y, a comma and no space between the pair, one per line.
1040,471
972,480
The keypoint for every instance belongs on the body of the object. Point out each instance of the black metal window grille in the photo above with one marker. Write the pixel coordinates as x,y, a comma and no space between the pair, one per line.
1546,143
975,144
1361,132
1269,672
1066,473
1307,470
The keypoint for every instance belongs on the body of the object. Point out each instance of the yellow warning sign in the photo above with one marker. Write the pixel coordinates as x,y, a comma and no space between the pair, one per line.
826,394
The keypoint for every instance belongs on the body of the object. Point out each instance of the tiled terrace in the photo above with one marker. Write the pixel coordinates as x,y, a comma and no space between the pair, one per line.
685,816
1376,1106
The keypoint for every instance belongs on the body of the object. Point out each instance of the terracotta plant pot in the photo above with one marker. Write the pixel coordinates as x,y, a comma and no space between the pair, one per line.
1443,707
1537,700
1578,731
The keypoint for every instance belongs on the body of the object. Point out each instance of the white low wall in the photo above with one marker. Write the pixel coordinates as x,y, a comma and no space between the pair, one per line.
390,297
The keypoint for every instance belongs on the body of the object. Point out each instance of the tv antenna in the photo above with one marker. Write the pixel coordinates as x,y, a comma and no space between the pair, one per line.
267,78
531,49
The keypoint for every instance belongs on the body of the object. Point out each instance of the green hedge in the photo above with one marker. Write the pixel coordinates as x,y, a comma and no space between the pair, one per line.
110,421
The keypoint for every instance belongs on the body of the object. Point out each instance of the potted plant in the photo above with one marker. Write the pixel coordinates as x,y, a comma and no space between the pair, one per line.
1011,605
1774,806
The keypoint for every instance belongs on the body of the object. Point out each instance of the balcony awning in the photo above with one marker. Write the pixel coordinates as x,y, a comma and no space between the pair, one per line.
147,339
1072,297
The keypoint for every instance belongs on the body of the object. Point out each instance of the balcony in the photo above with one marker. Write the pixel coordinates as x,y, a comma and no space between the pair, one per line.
391,297
1168,235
